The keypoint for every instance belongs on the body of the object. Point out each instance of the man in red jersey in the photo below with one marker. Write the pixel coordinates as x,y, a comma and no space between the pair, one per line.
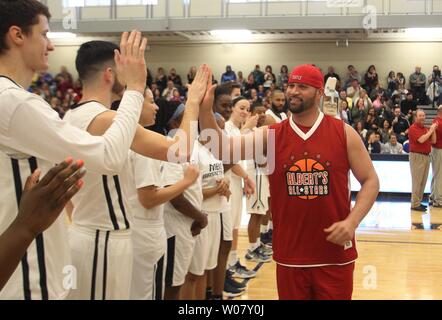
314,223
436,163
420,139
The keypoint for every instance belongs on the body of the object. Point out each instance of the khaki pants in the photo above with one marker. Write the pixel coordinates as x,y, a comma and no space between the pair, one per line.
436,182
419,167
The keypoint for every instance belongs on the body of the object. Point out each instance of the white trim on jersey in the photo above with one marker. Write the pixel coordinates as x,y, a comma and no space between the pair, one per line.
271,113
312,130
314,265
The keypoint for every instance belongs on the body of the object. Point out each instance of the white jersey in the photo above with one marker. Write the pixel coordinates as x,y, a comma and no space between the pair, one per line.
145,172
211,170
282,116
32,135
102,203
173,172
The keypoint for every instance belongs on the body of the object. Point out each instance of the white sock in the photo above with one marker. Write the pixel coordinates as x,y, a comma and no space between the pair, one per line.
270,225
253,246
263,228
233,258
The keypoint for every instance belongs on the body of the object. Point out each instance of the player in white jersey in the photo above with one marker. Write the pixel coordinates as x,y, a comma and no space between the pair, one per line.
147,197
238,117
258,203
40,205
100,235
206,253
277,109
277,112
183,218
32,135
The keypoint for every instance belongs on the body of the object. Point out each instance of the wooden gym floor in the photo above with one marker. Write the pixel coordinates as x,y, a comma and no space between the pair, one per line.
400,256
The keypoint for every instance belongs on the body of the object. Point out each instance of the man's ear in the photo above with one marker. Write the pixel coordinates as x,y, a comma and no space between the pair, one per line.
15,35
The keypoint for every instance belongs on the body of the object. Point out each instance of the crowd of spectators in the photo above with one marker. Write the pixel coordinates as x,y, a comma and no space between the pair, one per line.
381,115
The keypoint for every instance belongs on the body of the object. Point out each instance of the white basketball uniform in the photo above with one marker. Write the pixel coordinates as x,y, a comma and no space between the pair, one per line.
148,232
205,256
180,242
100,235
236,199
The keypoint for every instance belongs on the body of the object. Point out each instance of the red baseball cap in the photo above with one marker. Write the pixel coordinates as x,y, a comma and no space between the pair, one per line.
307,74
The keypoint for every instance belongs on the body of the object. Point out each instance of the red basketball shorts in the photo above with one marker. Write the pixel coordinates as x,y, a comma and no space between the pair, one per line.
315,283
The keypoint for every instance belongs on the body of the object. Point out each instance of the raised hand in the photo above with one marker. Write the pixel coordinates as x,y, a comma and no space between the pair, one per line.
198,87
130,61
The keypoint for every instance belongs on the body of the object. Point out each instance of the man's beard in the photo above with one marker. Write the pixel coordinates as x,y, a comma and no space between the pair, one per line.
276,109
301,107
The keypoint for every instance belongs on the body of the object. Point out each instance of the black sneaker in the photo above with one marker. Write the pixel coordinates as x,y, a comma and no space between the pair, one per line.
240,271
233,283
423,205
230,291
419,208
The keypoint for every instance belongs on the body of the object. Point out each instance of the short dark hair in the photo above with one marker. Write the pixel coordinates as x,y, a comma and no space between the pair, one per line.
92,55
224,89
21,13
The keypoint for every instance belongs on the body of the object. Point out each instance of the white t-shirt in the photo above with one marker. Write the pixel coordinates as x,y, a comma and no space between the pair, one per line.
173,172
145,172
33,135
211,170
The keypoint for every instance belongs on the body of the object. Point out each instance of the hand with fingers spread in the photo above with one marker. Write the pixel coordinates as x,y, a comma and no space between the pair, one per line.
130,61
42,201
40,205
341,232
197,89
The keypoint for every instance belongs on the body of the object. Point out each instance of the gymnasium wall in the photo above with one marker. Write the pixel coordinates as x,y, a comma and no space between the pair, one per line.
397,56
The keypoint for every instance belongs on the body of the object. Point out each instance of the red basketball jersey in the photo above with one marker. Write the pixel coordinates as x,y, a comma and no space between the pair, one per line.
309,192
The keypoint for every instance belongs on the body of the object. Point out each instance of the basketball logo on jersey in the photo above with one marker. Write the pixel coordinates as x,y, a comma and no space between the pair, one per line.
307,179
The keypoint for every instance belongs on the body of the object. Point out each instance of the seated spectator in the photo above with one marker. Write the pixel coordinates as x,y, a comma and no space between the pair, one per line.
392,146
254,98
344,111
269,78
392,82
352,74
250,84
175,78
370,122
386,131
371,78
364,96
331,73
343,96
354,90
359,111
377,102
156,95
229,75
383,114
161,79
372,144
261,91
283,76
359,127
168,92
400,125
176,97
408,104
191,75
241,81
